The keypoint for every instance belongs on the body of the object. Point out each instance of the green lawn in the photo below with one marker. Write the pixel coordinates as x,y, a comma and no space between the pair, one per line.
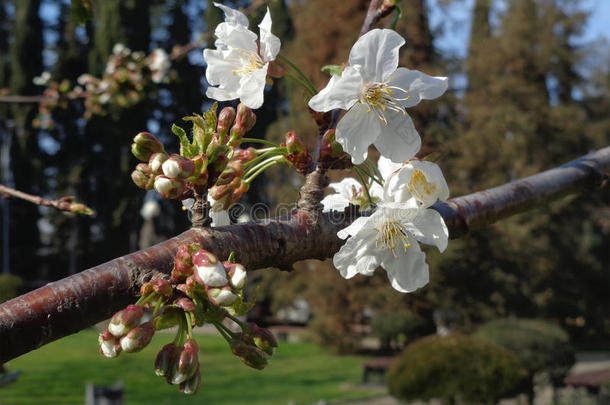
303,373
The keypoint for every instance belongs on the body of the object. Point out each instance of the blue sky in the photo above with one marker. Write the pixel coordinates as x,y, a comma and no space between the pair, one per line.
455,22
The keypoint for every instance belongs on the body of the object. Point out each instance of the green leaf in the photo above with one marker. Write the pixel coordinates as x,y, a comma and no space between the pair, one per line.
186,147
334,70
241,307
81,11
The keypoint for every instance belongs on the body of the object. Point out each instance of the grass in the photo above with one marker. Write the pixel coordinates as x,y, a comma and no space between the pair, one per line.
302,372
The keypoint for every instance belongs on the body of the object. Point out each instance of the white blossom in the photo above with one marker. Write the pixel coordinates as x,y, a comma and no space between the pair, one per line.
389,239
238,66
419,180
219,218
376,93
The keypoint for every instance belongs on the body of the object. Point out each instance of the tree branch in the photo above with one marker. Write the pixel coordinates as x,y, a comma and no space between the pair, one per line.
74,303
63,204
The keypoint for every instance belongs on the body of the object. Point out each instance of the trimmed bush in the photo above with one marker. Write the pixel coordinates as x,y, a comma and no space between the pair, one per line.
455,367
396,328
540,345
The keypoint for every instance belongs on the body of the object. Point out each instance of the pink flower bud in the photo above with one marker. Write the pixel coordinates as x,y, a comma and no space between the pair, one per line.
155,162
147,288
186,363
178,167
208,270
183,263
275,70
144,145
244,155
294,144
185,304
245,117
233,170
200,176
251,355
138,338
162,287
188,288
125,320
237,274
263,338
191,386
165,359
109,344
222,296
225,119
169,188
143,177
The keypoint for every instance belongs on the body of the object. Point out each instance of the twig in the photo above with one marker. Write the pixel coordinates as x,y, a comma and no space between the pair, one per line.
63,204
74,303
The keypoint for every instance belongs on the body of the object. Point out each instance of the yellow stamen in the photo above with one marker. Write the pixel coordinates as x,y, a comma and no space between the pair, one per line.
245,62
379,97
392,235
420,186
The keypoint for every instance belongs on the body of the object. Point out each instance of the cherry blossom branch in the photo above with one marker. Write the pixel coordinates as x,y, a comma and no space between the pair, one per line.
63,204
74,303
376,13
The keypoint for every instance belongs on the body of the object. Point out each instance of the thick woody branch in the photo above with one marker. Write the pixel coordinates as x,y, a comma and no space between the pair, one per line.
74,303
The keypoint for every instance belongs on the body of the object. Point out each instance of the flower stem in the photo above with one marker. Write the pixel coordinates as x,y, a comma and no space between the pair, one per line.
299,71
263,156
237,321
364,183
189,324
256,140
222,332
261,167
301,83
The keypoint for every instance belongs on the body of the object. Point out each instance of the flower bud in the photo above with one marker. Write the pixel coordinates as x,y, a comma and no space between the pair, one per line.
185,304
178,167
251,355
169,188
225,119
109,344
245,117
208,270
244,155
186,363
222,296
294,144
144,145
165,359
237,193
263,338
233,170
138,338
218,193
191,386
162,287
147,288
125,320
188,287
200,176
155,162
183,263
143,177
237,274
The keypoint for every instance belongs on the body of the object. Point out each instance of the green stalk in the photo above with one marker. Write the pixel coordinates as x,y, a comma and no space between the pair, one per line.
366,187
256,140
189,325
260,164
263,168
299,71
301,83
263,156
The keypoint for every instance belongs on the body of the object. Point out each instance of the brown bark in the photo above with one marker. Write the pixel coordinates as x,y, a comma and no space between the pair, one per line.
79,301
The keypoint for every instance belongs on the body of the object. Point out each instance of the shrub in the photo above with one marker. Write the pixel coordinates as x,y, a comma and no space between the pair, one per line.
453,367
540,345
394,328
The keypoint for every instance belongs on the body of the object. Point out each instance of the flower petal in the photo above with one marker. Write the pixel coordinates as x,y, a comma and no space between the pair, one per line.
387,167
334,202
399,140
270,44
426,190
358,255
377,53
233,16
355,227
419,85
408,270
346,187
340,92
429,227
357,130
252,91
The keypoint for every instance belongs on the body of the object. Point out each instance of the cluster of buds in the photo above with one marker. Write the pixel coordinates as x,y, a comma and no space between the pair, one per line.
212,160
202,289
126,79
